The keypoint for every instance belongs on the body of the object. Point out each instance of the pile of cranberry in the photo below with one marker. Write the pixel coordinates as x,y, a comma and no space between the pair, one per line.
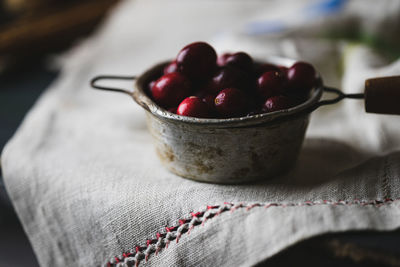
200,84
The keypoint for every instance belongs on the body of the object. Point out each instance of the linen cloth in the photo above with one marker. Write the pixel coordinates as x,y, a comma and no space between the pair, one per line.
86,183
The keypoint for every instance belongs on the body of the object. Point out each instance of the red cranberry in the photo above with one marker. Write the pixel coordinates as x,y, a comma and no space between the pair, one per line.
221,60
171,67
228,77
240,60
193,106
277,103
171,89
270,83
266,67
197,60
231,102
301,75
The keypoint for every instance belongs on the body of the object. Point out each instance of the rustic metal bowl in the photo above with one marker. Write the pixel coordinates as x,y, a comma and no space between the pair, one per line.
226,151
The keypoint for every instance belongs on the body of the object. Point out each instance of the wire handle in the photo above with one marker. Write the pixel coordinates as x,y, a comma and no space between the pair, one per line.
109,77
340,96
140,99
381,95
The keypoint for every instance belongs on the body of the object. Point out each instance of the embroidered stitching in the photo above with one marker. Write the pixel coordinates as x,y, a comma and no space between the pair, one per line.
170,233
385,181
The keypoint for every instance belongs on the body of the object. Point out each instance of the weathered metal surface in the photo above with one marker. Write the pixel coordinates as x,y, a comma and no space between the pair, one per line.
227,155
236,150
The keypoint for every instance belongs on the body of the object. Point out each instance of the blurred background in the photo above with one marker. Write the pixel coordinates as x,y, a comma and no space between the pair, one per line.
34,35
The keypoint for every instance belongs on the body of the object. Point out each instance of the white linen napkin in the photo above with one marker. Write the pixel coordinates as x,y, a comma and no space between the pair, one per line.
84,178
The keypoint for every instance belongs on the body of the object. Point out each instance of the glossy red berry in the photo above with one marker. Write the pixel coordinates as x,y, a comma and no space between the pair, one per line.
270,83
171,67
276,103
240,60
302,76
197,60
171,89
193,106
231,102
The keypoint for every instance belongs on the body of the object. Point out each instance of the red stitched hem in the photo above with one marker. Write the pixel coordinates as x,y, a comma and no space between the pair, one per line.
170,233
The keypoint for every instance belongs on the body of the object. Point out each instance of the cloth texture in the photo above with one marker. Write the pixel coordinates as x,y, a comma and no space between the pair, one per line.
85,180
